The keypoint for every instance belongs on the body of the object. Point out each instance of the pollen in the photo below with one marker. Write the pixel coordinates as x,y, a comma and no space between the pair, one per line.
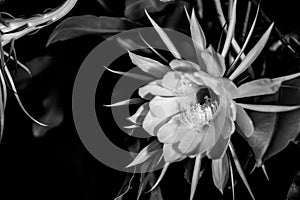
197,115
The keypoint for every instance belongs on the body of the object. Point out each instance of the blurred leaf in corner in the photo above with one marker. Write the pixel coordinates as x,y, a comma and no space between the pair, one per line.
77,26
294,191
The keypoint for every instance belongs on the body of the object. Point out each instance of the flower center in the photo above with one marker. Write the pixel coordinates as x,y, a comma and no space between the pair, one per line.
201,112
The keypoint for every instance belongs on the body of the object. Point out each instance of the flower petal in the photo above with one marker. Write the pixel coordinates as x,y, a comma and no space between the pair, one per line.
184,66
145,153
228,127
263,86
198,38
148,65
244,122
220,172
209,140
170,154
164,38
171,80
151,123
125,102
219,121
231,88
197,33
215,64
219,148
252,55
173,131
230,31
268,108
164,107
189,143
155,90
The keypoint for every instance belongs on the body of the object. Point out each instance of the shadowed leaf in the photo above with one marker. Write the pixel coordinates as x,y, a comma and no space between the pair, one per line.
77,26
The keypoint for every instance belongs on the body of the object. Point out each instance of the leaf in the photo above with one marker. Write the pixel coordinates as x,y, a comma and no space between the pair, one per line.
145,153
78,26
134,9
273,131
252,55
220,172
165,38
148,65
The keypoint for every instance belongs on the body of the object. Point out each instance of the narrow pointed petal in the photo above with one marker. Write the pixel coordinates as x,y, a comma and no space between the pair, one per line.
265,172
230,31
195,176
164,170
268,108
131,75
140,114
1,114
263,86
13,87
125,102
240,169
220,172
148,65
145,154
246,41
197,33
187,14
244,121
252,55
152,49
231,180
164,38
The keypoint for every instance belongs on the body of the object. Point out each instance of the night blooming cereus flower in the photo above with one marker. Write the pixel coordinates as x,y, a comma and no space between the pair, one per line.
193,109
